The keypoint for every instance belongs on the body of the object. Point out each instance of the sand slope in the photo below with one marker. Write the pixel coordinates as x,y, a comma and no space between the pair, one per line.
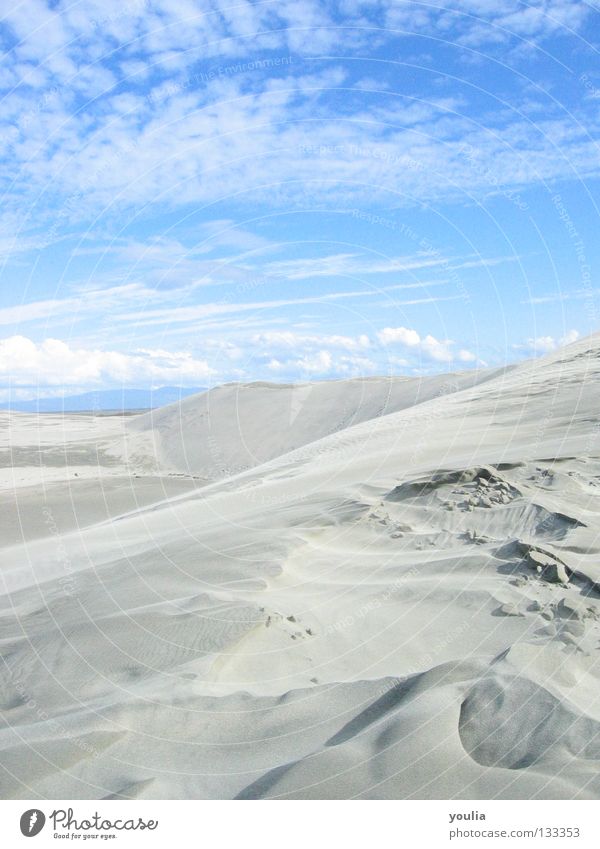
241,425
407,607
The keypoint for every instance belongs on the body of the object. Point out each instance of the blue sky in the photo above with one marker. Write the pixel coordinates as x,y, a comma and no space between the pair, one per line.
197,192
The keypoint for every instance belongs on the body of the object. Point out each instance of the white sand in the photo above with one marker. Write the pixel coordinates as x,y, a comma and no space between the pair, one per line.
378,589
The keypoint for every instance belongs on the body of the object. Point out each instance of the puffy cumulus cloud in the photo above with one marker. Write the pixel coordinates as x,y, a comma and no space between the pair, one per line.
542,344
55,363
323,363
357,366
441,351
401,335
568,338
319,363
545,344
436,350
300,356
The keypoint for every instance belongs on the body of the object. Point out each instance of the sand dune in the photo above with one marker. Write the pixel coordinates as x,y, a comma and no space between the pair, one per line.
238,426
374,589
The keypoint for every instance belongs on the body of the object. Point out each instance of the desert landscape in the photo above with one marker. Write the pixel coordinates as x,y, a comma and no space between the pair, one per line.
367,588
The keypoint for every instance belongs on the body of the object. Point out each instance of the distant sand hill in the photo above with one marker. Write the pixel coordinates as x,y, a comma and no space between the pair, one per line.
379,588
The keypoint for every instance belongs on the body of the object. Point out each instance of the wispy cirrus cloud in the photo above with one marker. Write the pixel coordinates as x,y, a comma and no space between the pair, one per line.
193,314
88,301
567,295
180,274
177,279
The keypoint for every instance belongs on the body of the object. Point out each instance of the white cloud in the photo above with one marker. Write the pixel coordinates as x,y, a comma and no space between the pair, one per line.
568,338
588,294
402,335
53,362
319,363
246,131
428,346
545,344
88,301
542,343
173,272
288,339
301,356
198,312
323,363
349,264
483,21
436,350
206,118
247,144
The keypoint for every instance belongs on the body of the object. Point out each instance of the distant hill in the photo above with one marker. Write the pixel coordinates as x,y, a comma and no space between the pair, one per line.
105,400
